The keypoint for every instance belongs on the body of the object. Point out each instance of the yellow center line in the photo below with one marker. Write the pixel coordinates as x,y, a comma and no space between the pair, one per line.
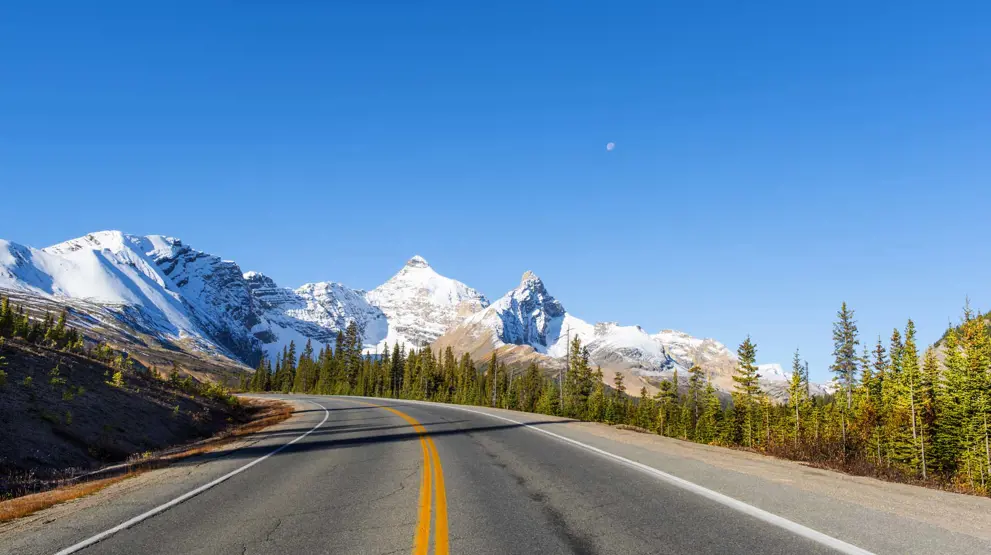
440,537
421,541
431,468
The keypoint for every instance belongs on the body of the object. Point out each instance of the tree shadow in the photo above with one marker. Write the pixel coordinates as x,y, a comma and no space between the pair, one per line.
318,440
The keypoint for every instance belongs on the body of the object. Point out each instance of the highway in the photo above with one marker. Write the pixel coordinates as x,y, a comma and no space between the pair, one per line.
376,476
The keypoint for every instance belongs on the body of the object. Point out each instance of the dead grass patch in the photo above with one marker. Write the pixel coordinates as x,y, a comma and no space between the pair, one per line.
29,504
269,413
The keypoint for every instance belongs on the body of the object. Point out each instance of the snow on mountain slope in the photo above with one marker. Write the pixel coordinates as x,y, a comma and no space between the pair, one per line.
420,304
157,285
315,311
414,307
208,296
530,316
163,287
103,268
528,323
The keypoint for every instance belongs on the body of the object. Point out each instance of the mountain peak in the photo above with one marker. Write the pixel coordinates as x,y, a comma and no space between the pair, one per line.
529,278
417,262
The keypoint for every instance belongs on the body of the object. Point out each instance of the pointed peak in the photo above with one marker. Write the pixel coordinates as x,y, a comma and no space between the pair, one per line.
529,278
417,262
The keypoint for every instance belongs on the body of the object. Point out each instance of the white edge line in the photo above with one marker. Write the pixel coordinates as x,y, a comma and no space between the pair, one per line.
736,504
186,496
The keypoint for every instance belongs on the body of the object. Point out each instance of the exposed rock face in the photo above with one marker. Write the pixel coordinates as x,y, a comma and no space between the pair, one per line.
158,286
529,324
215,289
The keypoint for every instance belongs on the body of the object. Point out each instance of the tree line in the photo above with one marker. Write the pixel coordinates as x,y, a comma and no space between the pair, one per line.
894,412
53,332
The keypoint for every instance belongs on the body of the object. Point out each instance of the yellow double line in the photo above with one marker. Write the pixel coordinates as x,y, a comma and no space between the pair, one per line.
433,475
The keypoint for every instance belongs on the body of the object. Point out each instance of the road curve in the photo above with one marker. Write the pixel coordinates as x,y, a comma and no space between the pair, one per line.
386,476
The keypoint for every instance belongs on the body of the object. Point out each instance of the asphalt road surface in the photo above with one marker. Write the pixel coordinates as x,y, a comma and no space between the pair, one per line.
376,476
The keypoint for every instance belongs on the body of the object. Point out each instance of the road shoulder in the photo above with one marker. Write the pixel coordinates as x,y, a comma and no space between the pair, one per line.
72,521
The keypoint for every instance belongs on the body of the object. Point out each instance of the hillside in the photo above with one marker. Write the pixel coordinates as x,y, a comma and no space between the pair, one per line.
62,414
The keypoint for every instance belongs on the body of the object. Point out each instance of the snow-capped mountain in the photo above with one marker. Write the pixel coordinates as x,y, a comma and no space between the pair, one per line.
156,287
420,304
315,311
414,307
179,293
529,323
186,298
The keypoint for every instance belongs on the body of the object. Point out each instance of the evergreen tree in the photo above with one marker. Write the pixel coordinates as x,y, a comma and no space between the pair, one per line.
911,388
708,424
746,391
493,371
796,394
845,343
6,318
579,382
596,409
696,387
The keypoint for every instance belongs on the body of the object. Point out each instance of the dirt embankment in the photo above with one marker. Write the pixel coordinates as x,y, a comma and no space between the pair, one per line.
62,415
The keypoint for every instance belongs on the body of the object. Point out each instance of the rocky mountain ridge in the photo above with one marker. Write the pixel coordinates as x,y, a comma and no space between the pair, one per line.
198,302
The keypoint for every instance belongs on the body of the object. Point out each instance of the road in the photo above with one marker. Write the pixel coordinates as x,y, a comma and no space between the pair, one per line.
383,476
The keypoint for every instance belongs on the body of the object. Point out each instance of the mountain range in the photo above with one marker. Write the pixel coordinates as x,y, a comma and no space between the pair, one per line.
156,291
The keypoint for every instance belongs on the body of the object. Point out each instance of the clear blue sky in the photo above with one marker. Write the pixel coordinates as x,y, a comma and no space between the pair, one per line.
773,159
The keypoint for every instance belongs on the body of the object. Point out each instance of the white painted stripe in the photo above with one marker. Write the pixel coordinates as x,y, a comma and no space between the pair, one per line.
166,506
720,498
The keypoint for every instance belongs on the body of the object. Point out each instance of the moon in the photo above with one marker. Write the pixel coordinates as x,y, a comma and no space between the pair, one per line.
610,145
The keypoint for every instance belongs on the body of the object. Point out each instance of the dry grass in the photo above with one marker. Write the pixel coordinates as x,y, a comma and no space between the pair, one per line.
267,413
29,504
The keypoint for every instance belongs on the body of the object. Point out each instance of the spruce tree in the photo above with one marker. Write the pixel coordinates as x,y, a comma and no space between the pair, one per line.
6,317
911,386
696,386
796,394
596,409
845,343
492,372
746,390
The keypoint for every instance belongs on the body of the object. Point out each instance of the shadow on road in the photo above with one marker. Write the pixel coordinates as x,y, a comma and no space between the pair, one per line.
325,437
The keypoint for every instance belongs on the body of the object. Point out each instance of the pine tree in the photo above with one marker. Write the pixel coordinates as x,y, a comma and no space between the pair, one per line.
796,394
645,409
911,385
746,390
6,318
845,343
548,402
492,373
696,386
596,410
707,426
578,383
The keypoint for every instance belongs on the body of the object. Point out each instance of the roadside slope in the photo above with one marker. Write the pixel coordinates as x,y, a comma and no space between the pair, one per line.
62,414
